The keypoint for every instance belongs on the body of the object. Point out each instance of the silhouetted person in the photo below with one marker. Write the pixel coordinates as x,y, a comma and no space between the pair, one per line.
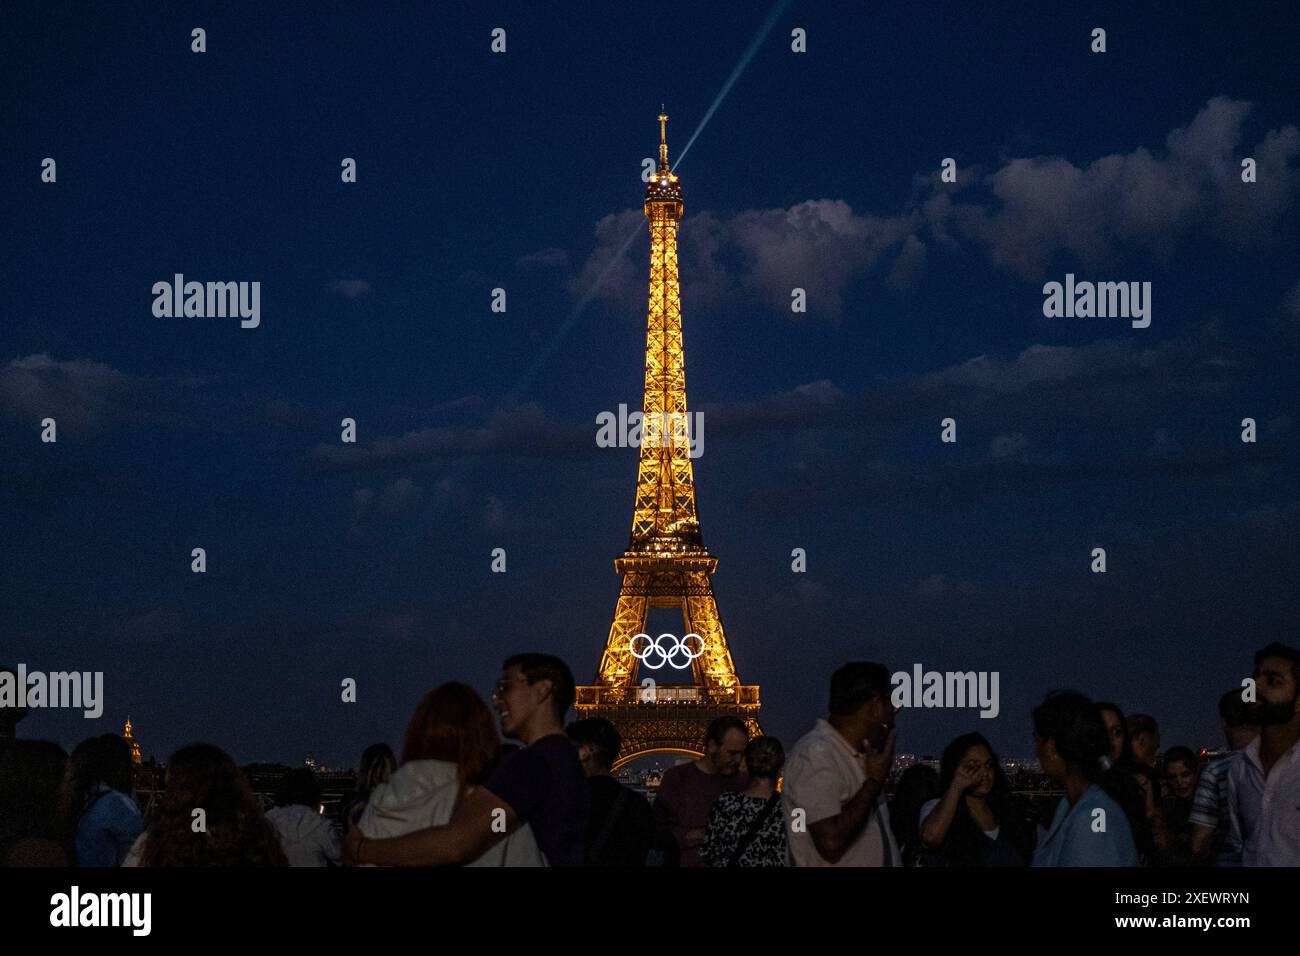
308,836
108,818
917,786
1091,827
1182,772
1144,738
1212,837
377,766
620,828
33,831
207,816
10,715
1137,785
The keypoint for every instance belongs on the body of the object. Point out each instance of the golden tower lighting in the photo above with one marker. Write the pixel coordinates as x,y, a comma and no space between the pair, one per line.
666,563
135,744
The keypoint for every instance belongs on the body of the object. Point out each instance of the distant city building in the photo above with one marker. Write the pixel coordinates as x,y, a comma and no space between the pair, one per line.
136,759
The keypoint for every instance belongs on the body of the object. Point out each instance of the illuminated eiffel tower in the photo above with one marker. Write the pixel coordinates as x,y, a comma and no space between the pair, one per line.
666,563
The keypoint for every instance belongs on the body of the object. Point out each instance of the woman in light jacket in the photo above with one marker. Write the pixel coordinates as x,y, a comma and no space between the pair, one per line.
450,745
1091,826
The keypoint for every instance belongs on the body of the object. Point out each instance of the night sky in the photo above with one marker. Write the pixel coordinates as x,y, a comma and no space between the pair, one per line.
476,429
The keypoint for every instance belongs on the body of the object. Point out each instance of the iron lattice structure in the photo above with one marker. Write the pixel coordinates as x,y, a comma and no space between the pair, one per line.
666,563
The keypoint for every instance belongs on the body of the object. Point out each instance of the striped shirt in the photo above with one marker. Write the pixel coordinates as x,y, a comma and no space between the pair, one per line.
1210,809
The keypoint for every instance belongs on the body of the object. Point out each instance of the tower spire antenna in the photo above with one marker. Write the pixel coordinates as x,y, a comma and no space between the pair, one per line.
663,137
666,564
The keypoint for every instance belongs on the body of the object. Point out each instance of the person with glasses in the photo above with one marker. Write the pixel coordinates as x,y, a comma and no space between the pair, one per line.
541,784
835,776
450,749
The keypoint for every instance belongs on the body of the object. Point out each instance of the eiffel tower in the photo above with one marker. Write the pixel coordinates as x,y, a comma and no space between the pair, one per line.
666,563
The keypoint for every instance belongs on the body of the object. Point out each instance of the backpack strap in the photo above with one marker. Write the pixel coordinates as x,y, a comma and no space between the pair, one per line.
597,845
755,826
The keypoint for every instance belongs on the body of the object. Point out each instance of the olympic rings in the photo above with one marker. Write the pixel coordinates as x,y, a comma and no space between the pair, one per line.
670,656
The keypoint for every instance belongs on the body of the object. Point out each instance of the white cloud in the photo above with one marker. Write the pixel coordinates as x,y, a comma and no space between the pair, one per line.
547,259
349,288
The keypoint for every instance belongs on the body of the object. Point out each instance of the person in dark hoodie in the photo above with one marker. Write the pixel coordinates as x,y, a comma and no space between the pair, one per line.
620,829
33,829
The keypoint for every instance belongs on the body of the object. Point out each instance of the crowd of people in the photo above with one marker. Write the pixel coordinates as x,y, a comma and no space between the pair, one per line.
459,796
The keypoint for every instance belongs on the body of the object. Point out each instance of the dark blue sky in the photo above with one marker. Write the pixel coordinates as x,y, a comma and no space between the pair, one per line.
477,429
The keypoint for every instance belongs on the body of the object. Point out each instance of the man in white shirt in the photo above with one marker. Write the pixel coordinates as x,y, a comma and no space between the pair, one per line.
836,772
1264,783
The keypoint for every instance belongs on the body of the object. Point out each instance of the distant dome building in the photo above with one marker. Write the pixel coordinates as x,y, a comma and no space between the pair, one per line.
135,745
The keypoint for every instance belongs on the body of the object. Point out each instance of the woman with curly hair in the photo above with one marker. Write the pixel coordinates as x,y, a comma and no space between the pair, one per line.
235,830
